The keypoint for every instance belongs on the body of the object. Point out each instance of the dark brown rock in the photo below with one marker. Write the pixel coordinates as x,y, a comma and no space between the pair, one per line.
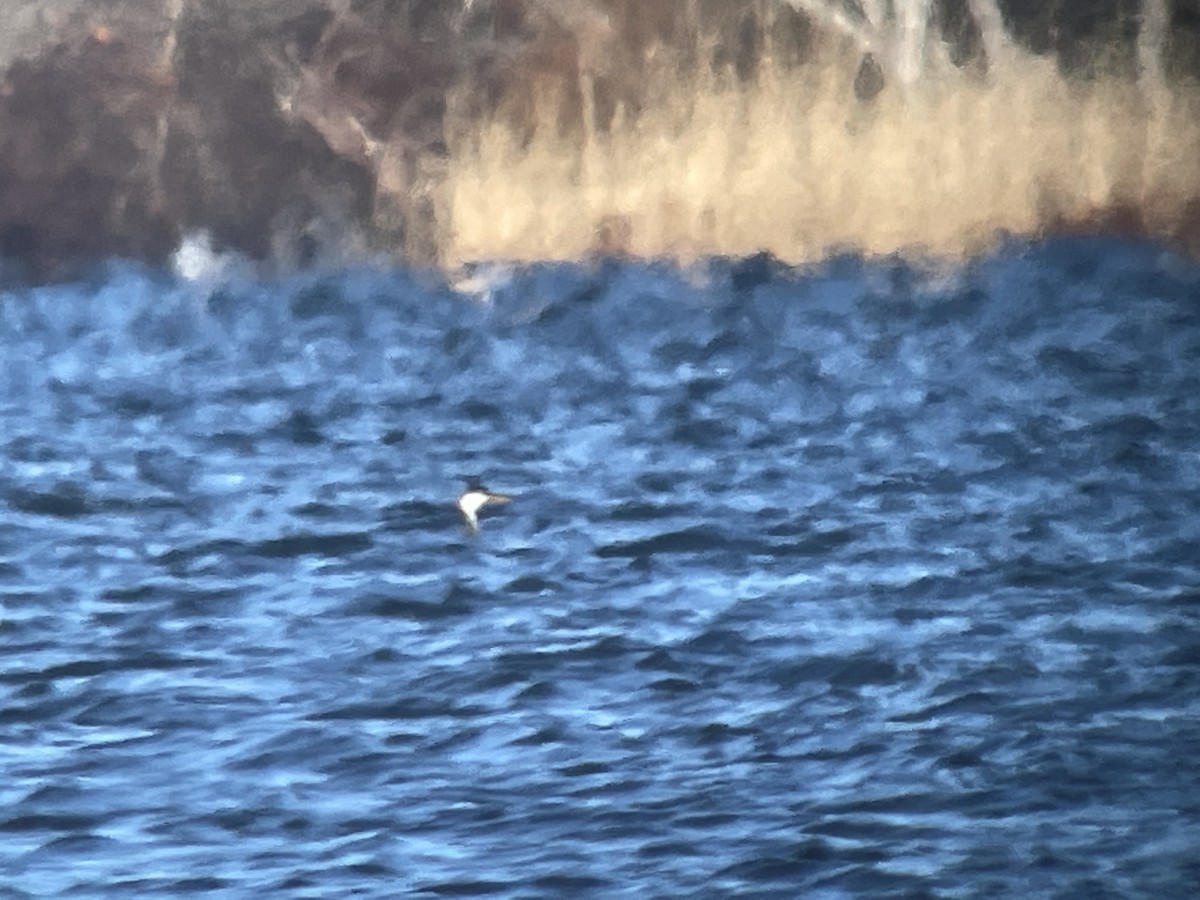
311,129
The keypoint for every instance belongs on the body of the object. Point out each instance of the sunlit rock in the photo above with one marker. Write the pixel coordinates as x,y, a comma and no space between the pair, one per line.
435,132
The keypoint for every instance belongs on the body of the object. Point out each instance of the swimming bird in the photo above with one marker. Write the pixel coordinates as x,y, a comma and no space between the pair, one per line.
473,499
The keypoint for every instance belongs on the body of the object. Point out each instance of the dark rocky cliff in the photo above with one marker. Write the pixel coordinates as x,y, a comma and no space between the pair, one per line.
312,130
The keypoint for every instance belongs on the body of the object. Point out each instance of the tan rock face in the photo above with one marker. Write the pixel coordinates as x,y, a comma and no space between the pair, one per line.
296,131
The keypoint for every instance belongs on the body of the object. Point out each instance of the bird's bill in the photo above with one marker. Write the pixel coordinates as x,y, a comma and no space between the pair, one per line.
499,498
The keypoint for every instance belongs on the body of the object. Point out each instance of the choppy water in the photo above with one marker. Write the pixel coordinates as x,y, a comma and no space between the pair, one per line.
854,581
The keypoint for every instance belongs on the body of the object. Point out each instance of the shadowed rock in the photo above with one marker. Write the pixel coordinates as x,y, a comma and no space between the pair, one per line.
296,132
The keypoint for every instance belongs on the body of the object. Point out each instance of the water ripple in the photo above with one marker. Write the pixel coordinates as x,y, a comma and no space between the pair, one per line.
863,580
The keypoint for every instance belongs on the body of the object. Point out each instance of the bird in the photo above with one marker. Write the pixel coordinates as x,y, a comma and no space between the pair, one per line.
474,498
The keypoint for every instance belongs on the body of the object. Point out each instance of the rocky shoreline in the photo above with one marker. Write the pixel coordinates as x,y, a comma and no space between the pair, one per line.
323,131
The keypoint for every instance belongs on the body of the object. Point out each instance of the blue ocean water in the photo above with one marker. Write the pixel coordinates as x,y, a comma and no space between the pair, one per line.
867,579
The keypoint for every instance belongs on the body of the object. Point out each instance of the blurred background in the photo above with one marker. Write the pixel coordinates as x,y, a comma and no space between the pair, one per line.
436,132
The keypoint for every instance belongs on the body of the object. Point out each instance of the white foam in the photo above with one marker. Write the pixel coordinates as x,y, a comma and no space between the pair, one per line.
196,260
